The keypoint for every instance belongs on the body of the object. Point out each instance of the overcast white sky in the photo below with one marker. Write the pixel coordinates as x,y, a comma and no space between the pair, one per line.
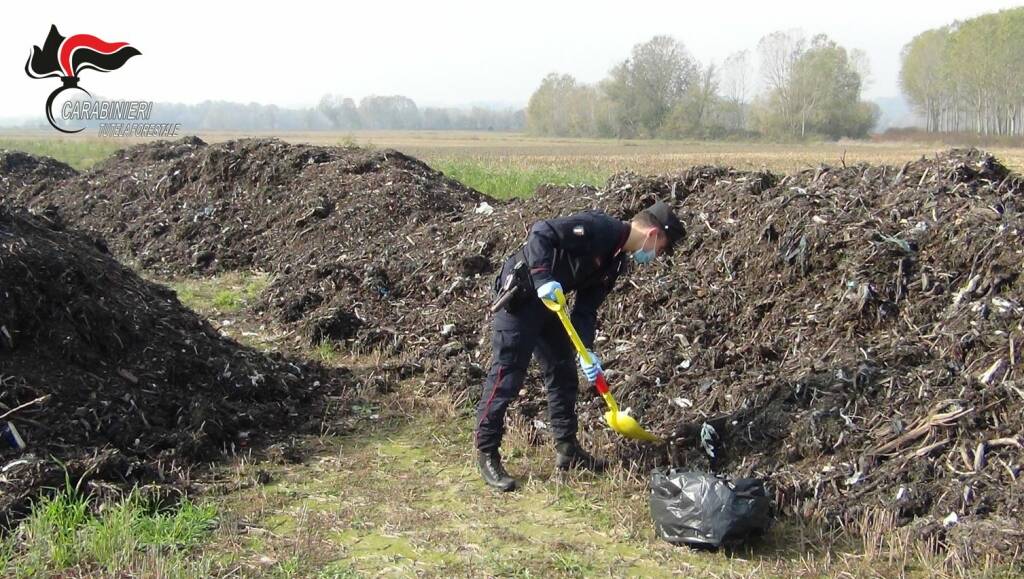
437,53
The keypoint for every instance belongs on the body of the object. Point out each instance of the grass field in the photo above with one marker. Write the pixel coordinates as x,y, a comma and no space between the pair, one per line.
513,164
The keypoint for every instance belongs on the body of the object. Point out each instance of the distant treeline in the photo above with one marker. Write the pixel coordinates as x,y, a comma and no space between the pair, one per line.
399,112
919,135
969,76
333,113
790,88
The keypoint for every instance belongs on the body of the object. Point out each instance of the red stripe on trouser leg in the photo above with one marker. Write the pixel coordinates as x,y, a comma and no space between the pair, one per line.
487,407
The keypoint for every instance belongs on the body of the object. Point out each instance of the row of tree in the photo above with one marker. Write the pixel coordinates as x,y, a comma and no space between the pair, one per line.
795,89
969,76
333,113
399,112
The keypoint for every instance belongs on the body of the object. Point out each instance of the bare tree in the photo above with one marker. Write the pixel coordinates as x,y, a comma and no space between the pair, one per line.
778,54
861,64
736,80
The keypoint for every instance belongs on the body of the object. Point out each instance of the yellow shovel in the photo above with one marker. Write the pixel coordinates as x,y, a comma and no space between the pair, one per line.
620,422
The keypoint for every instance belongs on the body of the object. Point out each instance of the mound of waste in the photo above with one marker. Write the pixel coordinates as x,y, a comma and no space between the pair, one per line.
23,172
188,207
851,333
113,377
344,230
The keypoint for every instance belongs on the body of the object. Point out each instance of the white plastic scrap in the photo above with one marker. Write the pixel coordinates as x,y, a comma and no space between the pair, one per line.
485,208
1003,306
707,439
967,290
854,478
683,402
13,465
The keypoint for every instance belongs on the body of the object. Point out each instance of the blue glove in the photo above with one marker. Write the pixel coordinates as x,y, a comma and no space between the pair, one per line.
591,370
547,291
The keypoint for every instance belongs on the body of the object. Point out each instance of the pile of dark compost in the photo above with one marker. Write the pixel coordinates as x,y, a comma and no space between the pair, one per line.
852,333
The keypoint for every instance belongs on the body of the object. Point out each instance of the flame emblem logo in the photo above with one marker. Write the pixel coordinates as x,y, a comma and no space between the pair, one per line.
66,58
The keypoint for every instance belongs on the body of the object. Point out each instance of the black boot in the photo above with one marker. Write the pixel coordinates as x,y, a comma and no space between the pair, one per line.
494,474
571,455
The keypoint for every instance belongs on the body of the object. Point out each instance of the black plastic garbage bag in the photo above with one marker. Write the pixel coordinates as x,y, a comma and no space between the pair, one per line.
696,508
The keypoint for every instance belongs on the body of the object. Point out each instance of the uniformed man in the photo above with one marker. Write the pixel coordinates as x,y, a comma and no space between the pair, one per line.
584,253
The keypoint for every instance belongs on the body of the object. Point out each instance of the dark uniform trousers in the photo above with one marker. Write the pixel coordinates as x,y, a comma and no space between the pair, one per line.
533,330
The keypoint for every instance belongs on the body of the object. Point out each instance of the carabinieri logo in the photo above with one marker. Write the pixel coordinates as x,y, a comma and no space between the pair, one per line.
68,57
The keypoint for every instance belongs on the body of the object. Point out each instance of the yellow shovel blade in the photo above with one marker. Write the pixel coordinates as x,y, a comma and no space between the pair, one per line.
621,422
627,426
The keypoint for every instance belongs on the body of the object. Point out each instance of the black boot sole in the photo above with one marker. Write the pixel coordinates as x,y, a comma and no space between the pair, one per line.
578,466
504,489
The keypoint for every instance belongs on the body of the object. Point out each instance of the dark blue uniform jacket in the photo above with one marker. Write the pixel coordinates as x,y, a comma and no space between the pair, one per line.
583,252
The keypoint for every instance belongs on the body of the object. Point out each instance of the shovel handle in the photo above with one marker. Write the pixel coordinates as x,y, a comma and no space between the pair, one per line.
600,383
630,429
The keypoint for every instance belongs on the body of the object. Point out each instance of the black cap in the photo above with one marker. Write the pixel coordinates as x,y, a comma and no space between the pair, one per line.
666,219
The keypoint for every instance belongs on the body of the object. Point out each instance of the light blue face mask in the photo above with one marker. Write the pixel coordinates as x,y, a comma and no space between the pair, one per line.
644,256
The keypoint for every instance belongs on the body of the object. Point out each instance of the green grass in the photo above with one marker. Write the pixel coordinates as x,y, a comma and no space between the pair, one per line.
503,179
327,352
222,294
290,567
52,531
576,159
80,153
68,534
6,552
571,564
513,164
182,528
402,497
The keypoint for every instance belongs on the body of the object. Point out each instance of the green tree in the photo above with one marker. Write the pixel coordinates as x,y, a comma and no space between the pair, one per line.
647,86
548,112
778,109
562,107
968,75
814,88
693,115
